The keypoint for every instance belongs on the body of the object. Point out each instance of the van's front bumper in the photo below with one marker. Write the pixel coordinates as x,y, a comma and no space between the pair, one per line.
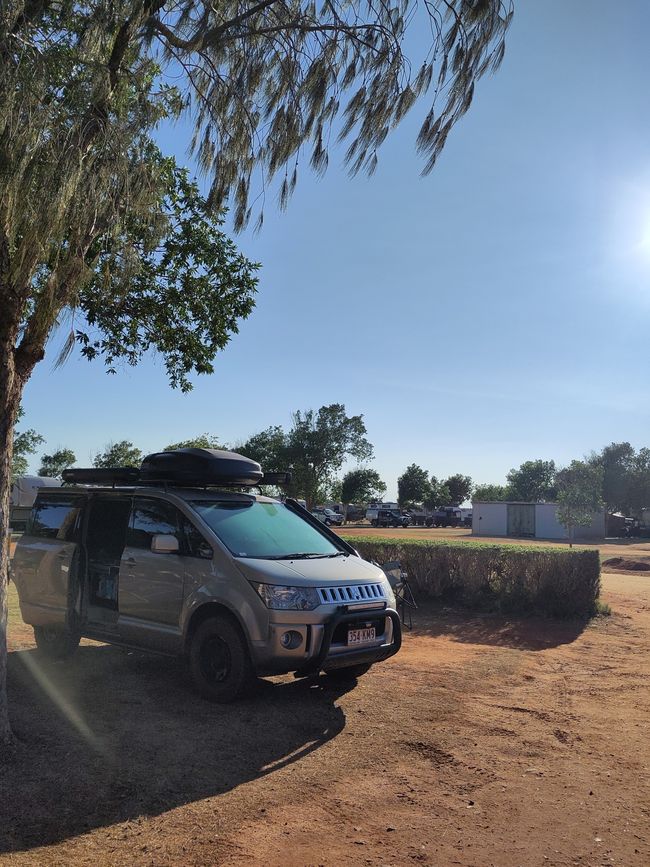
324,644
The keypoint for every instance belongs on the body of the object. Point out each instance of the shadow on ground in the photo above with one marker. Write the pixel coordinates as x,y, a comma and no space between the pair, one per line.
111,735
494,630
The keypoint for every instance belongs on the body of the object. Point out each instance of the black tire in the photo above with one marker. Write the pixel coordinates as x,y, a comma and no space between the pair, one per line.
374,523
352,672
56,642
219,660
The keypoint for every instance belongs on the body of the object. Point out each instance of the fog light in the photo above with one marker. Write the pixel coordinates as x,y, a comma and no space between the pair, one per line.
291,639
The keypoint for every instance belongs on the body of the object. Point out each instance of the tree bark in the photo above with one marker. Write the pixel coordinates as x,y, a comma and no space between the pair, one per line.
10,394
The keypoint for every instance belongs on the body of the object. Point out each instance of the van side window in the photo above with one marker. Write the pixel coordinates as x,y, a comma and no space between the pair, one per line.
55,518
150,517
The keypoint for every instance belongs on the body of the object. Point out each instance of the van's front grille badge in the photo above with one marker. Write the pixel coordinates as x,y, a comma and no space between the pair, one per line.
351,593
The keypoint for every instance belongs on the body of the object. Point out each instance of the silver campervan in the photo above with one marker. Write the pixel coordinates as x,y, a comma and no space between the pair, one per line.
182,558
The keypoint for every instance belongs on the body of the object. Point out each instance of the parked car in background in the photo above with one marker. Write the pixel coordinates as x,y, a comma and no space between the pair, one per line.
328,516
355,513
446,516
387,518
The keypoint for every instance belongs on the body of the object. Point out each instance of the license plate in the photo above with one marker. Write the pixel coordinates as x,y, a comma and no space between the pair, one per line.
361,636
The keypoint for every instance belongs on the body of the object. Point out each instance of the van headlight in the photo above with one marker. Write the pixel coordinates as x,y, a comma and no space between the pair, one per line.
389,593
288,598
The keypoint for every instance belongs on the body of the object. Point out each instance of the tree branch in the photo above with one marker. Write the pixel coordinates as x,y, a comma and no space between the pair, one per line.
208,38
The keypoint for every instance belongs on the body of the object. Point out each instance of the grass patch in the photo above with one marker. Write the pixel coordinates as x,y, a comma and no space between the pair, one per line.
602,609
12,602
453,543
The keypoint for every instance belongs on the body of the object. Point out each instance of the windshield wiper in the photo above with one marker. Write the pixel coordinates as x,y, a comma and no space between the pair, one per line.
303,555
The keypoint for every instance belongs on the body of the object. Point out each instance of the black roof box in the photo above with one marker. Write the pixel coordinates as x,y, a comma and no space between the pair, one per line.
199,468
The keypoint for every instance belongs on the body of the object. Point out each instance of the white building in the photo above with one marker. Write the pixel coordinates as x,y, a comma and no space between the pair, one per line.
529,520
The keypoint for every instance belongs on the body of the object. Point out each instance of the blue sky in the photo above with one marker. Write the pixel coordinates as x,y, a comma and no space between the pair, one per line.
493,312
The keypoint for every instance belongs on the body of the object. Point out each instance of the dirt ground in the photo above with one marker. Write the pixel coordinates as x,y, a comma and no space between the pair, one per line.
486,741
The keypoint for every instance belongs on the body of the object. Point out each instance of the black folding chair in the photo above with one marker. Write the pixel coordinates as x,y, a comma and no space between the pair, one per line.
405,601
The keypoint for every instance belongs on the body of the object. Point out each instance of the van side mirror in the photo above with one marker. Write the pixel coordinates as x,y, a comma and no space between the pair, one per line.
164,543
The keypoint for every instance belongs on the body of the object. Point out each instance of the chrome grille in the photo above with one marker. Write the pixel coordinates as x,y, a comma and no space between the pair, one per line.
351,593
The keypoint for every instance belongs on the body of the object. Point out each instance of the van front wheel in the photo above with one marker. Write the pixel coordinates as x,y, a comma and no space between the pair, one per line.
56,642
219,660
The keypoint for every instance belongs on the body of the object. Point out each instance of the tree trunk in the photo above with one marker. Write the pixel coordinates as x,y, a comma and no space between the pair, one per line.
10,393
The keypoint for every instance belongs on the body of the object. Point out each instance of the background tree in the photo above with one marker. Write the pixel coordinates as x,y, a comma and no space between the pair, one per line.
459,487
638,486
361,485
121,454
53,465
25,444
617,463
268,448
490,493
318,444
314,449
533,482
439,495
83,86
579,495
204,441
413,486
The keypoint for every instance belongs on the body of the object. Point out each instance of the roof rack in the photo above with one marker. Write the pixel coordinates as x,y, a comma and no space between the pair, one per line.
190,468
101,476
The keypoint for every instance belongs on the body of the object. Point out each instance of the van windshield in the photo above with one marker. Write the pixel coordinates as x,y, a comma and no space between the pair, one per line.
264,530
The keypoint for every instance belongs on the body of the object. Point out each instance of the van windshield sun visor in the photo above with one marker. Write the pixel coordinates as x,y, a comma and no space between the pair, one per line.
182,467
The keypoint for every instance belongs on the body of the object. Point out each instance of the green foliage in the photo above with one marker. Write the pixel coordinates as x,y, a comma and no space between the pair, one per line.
268,448
413,486
204,441
639,482
438,496
25,444
490,493
557,582
53,465
459,487
361,485
314,449
616,462
579,494
533,482
626,477
120,454
602,609
193,270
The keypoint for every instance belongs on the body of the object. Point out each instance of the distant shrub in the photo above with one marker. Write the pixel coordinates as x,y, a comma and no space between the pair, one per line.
553,581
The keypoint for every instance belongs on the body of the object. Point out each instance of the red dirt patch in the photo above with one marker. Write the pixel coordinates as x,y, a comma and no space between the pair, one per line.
485,741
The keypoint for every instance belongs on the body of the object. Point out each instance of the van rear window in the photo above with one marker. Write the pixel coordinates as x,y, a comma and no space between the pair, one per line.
55,518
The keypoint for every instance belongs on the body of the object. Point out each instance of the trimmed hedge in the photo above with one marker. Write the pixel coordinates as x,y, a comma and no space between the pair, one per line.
552,581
